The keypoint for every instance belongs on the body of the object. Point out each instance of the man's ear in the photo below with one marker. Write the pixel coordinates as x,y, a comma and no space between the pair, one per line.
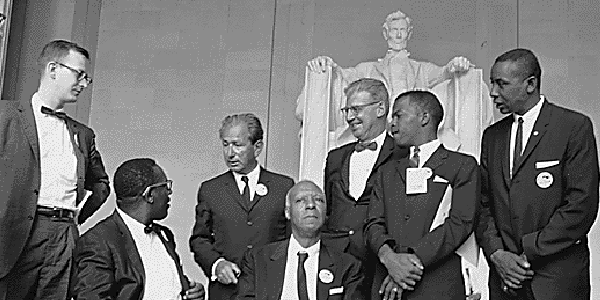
286,210
425,118
51,69
258,147
381,110
532,84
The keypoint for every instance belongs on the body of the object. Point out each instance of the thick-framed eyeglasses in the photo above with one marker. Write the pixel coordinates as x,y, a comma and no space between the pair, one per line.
168,184
356,109
81,75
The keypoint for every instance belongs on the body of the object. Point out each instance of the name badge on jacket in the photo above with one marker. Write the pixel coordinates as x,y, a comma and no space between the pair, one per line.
416,180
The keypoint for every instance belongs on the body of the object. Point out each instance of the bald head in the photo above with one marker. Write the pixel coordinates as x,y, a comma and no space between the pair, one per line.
306,207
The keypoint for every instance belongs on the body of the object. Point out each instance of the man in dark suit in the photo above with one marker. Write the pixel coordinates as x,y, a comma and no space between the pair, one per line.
350,168
413,227
540,189
47,161
302,267
127,256
239,209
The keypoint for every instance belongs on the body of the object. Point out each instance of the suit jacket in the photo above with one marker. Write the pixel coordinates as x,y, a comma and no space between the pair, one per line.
263,273
405,220
546,210
346,215
20,176
226,226
107,263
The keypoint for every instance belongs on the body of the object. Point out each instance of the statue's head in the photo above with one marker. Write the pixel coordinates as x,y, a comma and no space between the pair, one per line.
397,29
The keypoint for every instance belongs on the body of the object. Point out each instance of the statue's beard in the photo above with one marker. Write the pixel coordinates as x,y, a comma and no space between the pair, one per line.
396,46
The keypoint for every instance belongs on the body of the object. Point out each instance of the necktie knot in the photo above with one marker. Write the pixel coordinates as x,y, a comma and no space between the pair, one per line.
365,146
245,179
520,120
414,159
302,257
51,112
151,228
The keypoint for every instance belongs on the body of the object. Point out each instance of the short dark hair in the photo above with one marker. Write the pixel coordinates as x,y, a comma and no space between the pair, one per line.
252,122
375,87
133,176
527,61
58,49
427,102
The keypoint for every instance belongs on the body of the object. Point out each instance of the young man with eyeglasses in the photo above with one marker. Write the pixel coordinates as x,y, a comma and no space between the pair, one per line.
47,161
349,169
127,256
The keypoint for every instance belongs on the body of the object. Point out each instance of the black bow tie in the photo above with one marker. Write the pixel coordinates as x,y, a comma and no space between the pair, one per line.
51,112
152,228
362,146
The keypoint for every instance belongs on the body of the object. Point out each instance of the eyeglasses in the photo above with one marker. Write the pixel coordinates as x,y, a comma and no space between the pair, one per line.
81,75
168,184
355,109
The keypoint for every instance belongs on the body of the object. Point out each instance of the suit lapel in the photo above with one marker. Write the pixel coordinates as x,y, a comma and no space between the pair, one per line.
28,120
132,251
276,267
401,167
437,158
326,261
346,169
232,189
539,129
264,177
386,151
502,155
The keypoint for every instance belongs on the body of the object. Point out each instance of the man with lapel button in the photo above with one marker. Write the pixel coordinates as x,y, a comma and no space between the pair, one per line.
349,169
540,189
239,209
127,256
408,194
47,162
304,266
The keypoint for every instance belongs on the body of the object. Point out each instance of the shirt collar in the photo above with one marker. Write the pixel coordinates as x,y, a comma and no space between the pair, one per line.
295,247
380,139
36,104
252,176
426,150
134,225
531,115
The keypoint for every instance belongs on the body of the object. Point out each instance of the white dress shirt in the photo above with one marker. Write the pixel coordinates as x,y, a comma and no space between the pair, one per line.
361,165
58,162
253,177
161,277
425,151
311,267
529,119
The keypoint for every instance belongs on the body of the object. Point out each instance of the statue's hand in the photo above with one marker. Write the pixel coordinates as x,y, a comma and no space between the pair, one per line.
319,64
458,65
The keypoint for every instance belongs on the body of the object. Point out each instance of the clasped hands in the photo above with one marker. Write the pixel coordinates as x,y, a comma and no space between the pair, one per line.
404,271
512,268
227,272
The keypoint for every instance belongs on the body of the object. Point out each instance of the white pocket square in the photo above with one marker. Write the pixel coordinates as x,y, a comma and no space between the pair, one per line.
546,164
335,291
439,179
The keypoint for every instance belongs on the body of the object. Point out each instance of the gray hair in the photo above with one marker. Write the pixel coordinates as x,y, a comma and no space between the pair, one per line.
255,129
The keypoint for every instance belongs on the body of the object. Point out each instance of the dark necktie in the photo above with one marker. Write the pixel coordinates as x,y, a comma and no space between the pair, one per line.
51,112
171,251
302,289
518,144
368,146
414,160
246,193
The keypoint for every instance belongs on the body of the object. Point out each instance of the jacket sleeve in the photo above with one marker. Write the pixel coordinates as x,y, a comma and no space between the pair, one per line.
96,179
93,268
202,241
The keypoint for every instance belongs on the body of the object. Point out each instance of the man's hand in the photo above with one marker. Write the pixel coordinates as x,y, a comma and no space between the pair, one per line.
196,291
458,64
227,272
513,269
405,269
390,289
319,64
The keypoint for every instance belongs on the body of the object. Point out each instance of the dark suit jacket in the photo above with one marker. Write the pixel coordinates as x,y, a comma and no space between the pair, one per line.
346,214
107,263
263,273
20,176
226,226
405,220
548,224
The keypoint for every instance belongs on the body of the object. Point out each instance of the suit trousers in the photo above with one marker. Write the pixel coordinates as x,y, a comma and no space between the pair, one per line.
44,269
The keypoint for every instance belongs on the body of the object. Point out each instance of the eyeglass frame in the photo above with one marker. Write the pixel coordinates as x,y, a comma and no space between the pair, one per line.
168,184
357,108
81,75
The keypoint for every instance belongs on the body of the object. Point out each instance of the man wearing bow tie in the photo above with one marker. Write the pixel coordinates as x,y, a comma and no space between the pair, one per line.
302,267
349,169
47,162
239,209
412,226
127,256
